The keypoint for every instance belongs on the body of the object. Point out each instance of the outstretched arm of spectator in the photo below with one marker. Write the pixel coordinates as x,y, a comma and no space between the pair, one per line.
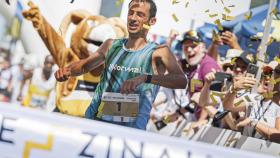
231,40
230,99
271,133
204,98
172,36
213,50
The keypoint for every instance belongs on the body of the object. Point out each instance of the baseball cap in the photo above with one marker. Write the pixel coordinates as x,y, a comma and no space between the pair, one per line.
247,57
192,35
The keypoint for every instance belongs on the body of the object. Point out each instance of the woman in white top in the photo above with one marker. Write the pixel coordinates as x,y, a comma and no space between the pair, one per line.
263,114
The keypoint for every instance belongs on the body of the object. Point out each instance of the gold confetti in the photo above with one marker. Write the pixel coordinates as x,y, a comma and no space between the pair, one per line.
222,1
238,103
271,40
215,36
175,18
250,45
277,60
269,95
213,15
227,10
146,26
207,11
227,17
166,120
187,4
195,43
119,2
248,16
232,62
218,23
274,11
175,2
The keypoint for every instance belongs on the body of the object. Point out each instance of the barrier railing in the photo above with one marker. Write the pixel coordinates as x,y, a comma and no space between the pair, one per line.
26,133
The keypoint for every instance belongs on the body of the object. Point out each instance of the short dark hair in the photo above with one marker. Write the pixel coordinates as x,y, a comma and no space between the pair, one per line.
153,7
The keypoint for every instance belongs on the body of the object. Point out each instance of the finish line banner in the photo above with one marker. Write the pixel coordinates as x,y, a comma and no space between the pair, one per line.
26,133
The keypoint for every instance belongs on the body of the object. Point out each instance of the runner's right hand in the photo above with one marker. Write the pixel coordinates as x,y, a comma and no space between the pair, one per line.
62,74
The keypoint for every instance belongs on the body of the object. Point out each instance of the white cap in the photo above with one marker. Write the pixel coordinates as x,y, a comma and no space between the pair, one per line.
231,53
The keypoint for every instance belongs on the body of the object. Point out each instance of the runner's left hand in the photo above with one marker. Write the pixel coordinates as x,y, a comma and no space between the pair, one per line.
129,86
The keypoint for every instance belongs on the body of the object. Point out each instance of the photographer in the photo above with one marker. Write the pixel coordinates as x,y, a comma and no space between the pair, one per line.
211,100
263,115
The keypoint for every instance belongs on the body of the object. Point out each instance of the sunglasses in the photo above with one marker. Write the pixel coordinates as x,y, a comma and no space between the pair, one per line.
227,66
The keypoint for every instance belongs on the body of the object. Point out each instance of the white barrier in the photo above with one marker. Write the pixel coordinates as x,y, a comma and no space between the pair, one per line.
229,138
28,133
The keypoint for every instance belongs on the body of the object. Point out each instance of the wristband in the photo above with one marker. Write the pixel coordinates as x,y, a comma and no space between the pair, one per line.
180,113
148,79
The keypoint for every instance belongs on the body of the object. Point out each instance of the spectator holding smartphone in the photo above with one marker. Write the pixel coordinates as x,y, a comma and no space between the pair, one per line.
263,115
223,38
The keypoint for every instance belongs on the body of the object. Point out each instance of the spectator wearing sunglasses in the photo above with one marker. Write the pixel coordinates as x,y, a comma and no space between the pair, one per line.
227,63
263,115
235,99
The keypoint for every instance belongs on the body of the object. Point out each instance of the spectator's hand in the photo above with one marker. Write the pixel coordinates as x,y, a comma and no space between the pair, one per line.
62,74
171,117
240,83
216,39
33,14
230,39
244,123
173,34
210,77
129,86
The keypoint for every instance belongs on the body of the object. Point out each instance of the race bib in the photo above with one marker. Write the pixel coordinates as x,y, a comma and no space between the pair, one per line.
117,104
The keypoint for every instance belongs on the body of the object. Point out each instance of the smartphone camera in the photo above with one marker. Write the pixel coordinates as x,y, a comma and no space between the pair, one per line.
252,70
221,79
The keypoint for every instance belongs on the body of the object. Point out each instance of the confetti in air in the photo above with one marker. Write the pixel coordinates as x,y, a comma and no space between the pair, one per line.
175,18
175,2
248,16
146,26
218,23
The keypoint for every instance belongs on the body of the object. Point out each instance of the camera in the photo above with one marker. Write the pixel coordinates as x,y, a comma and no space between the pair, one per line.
220,79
